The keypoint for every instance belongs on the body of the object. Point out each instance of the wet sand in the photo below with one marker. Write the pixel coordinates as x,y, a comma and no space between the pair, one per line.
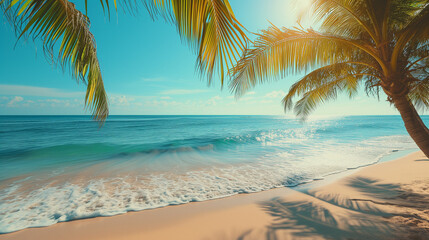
388,200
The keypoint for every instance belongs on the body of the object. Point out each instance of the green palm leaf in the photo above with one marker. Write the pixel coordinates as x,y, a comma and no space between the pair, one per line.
322,93
415,30
381,42
277,53
59,20
208,25
211,29
324,83
419,93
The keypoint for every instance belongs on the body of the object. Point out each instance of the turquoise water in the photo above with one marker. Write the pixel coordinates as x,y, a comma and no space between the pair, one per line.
61,168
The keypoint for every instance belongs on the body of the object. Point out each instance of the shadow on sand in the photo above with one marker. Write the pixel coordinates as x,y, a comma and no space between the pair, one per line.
382,211
386,211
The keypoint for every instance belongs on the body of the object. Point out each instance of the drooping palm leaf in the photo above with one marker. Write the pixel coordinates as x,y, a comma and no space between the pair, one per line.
367,33
211,29
59,21
418,74
278,52
324,83
208,25
419,93
416,29
322,93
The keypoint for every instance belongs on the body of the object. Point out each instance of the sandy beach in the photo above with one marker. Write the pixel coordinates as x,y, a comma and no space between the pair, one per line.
214,120
383,201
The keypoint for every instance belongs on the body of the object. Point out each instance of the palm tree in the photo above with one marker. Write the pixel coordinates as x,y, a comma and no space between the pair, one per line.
381,44
209,26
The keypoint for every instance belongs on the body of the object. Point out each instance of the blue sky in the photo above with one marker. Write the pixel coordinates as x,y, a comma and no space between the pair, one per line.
148,70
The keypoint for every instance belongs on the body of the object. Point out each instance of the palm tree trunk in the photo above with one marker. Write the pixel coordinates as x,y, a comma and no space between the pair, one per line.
413,123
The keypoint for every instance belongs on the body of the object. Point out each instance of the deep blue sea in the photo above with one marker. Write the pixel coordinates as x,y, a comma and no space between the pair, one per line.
61,168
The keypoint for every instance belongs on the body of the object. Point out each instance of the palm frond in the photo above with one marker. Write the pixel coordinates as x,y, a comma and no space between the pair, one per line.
329,73
383,43
415,30
345,18
419,93
322,93
59,20
279,52
126,5
211,29
314,87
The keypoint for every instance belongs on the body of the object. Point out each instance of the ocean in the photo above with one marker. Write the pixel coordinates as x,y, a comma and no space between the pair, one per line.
62,168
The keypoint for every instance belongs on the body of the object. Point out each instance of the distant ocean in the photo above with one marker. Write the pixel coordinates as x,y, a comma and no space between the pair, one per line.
61,168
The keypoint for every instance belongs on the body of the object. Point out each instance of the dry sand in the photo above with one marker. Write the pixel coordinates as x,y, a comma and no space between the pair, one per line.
384,201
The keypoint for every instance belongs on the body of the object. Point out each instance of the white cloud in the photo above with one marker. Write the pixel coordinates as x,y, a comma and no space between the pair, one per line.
245,99
213,100
266,101
182,91
158,79
14,100
54,101
121,100
156,103
36,91
275,94
251,93
165,97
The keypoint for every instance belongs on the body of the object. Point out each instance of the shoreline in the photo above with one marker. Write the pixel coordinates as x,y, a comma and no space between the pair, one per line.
240,213
332,177
301,186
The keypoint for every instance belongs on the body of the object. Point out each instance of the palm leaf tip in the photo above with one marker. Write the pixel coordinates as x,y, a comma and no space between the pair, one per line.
277,52
59,20
210,28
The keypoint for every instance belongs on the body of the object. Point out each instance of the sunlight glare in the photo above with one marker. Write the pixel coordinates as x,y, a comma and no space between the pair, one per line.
300,7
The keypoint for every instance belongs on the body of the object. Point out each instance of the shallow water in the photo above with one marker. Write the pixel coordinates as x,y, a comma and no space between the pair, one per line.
61,168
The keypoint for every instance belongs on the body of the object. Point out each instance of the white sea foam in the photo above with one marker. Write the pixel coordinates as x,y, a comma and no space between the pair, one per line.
56,201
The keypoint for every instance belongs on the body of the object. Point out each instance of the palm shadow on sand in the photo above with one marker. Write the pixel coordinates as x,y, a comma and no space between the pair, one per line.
333,216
